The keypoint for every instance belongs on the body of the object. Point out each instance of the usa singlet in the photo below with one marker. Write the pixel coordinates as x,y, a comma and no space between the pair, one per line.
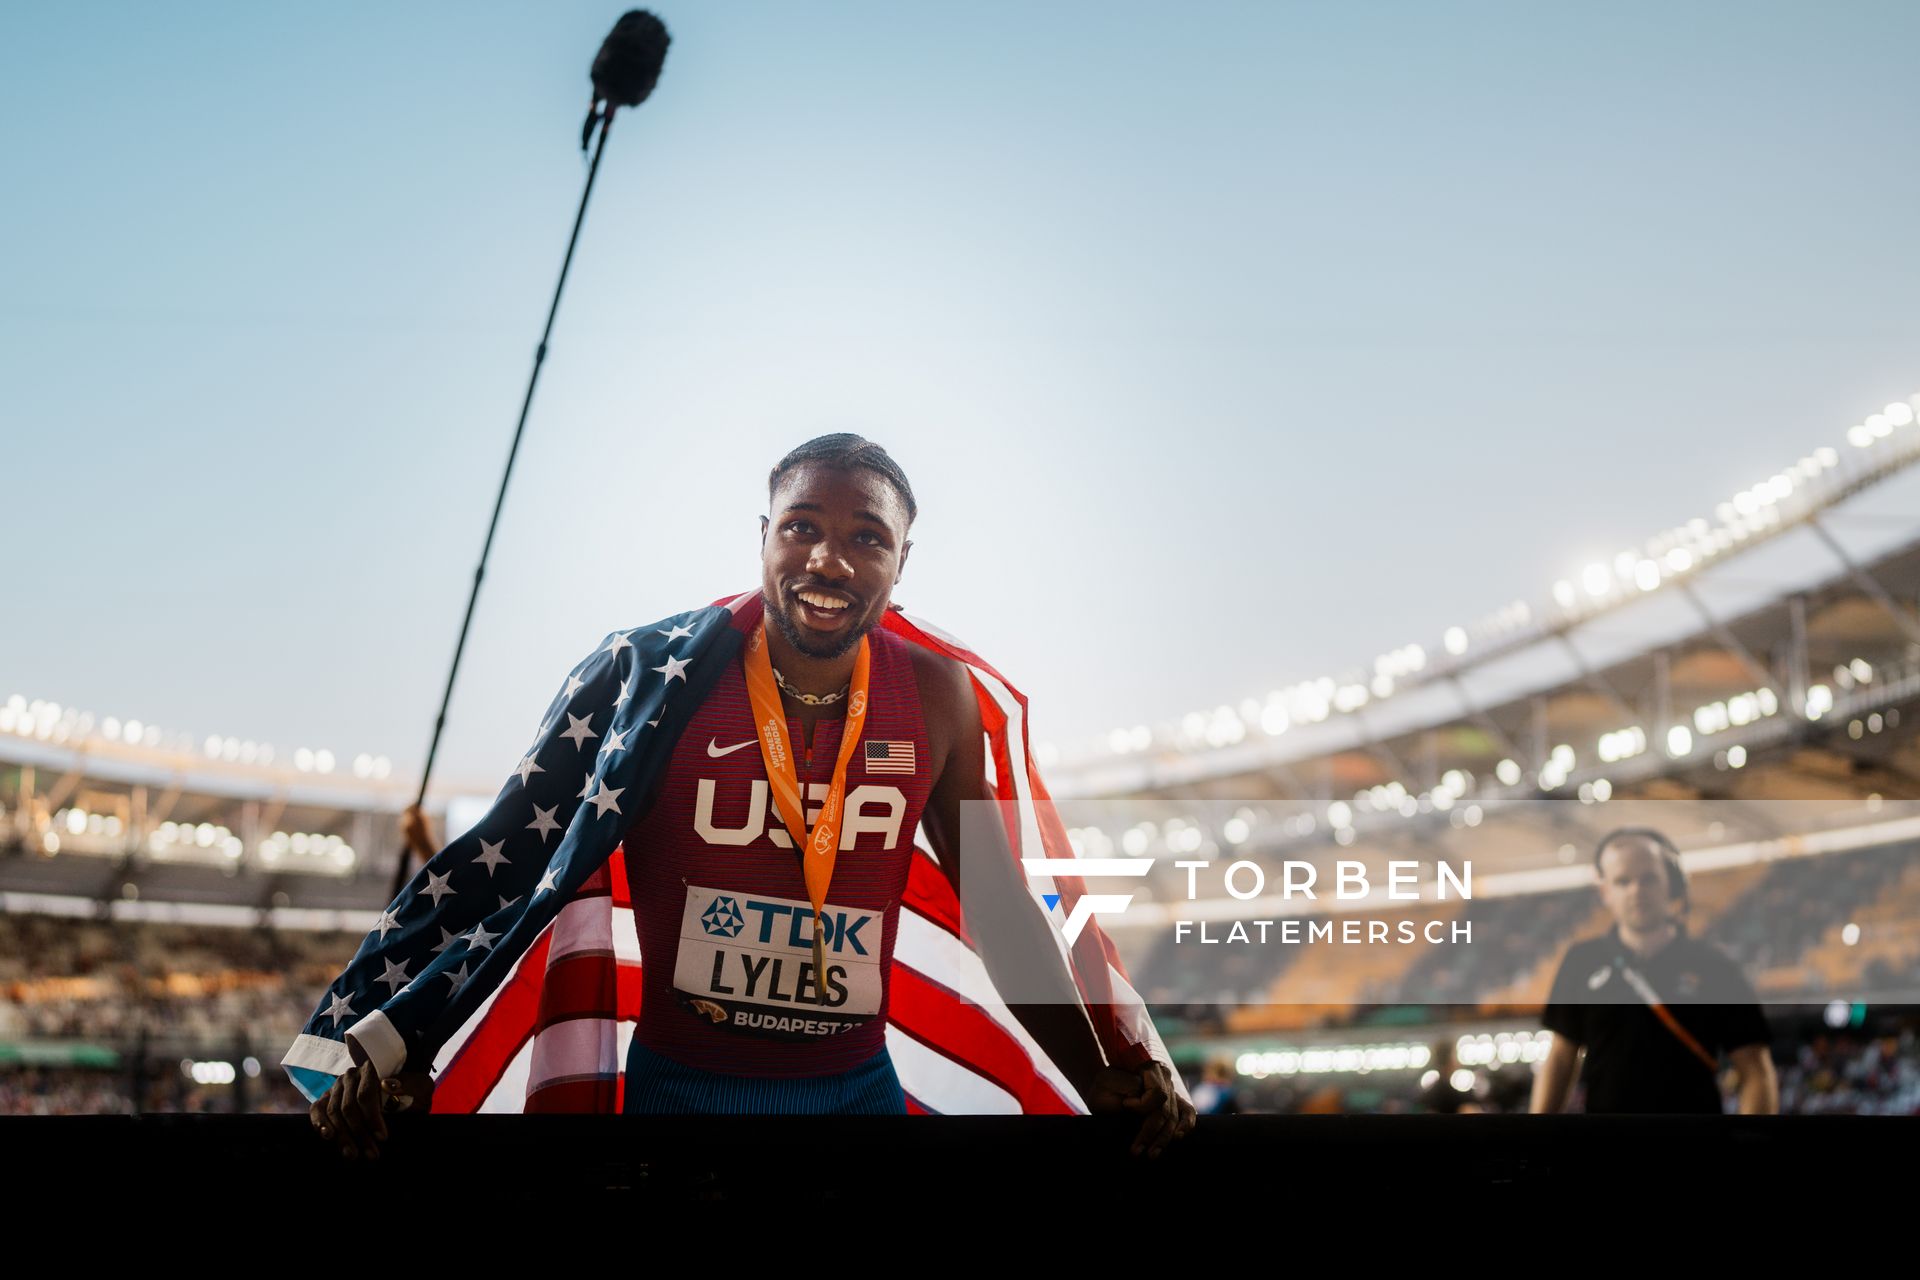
720,899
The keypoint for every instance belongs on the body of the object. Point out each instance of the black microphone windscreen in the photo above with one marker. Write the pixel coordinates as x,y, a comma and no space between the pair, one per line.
628,64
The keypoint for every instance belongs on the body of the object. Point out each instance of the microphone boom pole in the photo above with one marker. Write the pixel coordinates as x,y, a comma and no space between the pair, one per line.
624,74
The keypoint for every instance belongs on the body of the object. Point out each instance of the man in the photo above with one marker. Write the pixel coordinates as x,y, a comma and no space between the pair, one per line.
1652,1008
760,992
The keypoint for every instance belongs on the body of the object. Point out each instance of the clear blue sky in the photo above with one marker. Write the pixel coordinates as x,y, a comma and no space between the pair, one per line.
1262,337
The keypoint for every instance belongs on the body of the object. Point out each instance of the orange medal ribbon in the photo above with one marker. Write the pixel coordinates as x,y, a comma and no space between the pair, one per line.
821,846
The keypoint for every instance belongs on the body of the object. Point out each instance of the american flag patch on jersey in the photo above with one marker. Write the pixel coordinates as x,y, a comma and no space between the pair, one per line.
889,757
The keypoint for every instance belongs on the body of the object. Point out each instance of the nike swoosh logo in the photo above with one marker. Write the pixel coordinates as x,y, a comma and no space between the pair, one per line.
715,749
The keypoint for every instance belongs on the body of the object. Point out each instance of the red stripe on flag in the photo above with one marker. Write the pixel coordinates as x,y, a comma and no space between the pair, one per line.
930,894
616,869
586,985
576,1096
508,1024
964,1032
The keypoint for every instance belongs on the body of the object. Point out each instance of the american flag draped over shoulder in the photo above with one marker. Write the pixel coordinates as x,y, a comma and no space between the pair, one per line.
511,962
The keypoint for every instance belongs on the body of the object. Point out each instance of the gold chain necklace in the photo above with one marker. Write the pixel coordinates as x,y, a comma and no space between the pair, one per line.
811,699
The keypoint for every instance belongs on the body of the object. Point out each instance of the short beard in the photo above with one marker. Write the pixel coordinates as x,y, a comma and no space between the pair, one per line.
837,648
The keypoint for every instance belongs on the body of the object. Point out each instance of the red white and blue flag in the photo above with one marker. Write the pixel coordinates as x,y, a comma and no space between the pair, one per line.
511,962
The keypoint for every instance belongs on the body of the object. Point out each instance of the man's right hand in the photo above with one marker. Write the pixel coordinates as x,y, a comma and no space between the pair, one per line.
352,1114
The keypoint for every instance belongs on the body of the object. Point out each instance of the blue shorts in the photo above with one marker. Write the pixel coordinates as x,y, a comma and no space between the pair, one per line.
660,1086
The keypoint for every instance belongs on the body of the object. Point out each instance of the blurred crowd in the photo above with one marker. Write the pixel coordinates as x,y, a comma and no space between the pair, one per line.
101,1017
162,1086
1854,1072
184,986
1854,1075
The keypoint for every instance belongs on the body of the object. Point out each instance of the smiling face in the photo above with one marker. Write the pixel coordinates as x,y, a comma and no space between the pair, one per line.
839,537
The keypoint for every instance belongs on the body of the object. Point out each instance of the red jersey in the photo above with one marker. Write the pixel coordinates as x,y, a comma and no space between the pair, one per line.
720,900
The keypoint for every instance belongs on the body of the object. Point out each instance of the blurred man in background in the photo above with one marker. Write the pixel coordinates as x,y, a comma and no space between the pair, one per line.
1652,1009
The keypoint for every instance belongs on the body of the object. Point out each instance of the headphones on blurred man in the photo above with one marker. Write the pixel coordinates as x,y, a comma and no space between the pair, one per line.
1669,858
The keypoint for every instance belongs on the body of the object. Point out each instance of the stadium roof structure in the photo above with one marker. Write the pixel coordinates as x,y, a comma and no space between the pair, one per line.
1738,685
146,826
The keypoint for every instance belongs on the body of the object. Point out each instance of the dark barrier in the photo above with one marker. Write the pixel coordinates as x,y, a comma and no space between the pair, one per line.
1228,1164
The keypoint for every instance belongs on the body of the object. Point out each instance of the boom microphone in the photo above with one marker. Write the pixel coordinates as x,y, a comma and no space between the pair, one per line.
624,74
627,66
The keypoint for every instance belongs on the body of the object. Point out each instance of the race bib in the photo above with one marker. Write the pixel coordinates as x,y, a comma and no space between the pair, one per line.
746,963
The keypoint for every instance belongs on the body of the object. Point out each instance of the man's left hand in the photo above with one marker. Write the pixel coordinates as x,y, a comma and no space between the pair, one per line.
1149,1092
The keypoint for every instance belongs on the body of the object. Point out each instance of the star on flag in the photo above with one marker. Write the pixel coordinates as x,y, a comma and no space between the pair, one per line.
395,977
578,730
606,799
